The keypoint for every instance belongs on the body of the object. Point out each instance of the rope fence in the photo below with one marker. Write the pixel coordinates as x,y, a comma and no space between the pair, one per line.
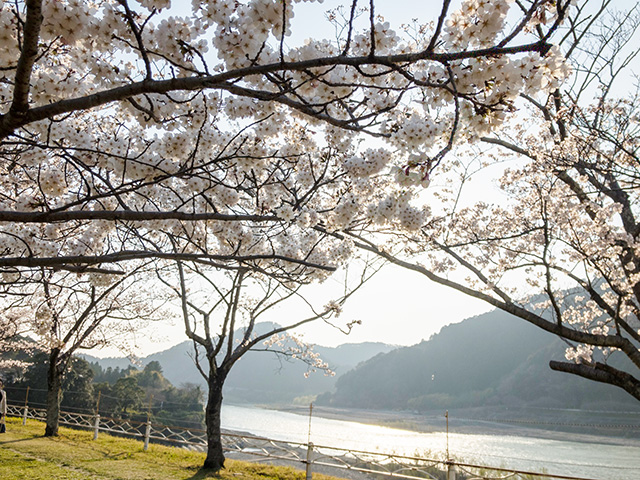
372,464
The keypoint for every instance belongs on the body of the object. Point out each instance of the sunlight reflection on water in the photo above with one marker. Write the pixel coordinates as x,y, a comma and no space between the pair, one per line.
592,460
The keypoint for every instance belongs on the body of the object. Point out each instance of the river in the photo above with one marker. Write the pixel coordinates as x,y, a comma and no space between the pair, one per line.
619,459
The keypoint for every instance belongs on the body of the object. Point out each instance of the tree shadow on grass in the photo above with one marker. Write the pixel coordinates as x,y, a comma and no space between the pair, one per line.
204,473
6,442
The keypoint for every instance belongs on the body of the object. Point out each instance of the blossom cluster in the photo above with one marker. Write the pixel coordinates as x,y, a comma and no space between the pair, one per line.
372,162
293,346
477,23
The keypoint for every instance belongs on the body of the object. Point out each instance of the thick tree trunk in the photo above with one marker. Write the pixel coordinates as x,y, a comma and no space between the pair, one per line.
54,394
215,455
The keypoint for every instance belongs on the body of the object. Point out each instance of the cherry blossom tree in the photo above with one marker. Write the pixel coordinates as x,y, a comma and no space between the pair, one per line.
221,310
122,122
10,327
64,313
559,247
141,130
14,347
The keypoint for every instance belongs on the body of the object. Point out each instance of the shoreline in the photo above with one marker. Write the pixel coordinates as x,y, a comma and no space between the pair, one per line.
432,422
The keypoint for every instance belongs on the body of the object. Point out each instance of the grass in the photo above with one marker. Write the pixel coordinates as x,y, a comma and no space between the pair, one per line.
74,455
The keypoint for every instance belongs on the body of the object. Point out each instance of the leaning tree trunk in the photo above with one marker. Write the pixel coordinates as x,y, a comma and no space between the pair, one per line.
215,455
54,394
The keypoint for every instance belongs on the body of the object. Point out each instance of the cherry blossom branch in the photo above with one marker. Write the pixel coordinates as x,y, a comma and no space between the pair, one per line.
137,34
508,145
231,314
126,255
441,19
601,372
185,313
127,215
561,8
9,123
28,55
372,29
509,306
352,15
588,287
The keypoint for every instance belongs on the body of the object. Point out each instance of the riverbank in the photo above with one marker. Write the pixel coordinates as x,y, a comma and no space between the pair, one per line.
569,455
76,455
621,428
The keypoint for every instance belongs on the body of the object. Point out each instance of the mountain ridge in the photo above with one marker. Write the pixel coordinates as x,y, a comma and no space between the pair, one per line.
259,377
487,360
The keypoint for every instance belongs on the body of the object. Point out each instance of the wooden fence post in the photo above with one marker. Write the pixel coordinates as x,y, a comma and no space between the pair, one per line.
26,407
309,461
451,468
147,434
96,427
451,471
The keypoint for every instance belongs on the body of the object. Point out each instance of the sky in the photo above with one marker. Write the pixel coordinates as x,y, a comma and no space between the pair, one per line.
396,306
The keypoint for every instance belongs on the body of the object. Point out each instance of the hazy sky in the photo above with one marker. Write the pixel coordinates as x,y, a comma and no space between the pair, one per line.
396,306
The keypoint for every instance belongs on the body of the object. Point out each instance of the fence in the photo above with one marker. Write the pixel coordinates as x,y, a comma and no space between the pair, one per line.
313,457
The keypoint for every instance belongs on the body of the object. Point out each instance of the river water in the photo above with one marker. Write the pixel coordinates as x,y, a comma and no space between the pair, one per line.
601,461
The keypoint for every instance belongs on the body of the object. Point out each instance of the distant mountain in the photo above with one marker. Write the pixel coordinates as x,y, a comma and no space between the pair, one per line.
492,359
262,377
108,362
259,377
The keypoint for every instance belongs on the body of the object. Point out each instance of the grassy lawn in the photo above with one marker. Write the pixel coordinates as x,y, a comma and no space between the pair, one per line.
74,455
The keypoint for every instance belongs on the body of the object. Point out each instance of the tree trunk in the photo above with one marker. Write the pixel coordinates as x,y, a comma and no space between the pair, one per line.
54,394
215,455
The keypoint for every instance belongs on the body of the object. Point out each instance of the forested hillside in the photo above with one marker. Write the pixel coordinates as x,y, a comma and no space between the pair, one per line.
492,359
260,377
